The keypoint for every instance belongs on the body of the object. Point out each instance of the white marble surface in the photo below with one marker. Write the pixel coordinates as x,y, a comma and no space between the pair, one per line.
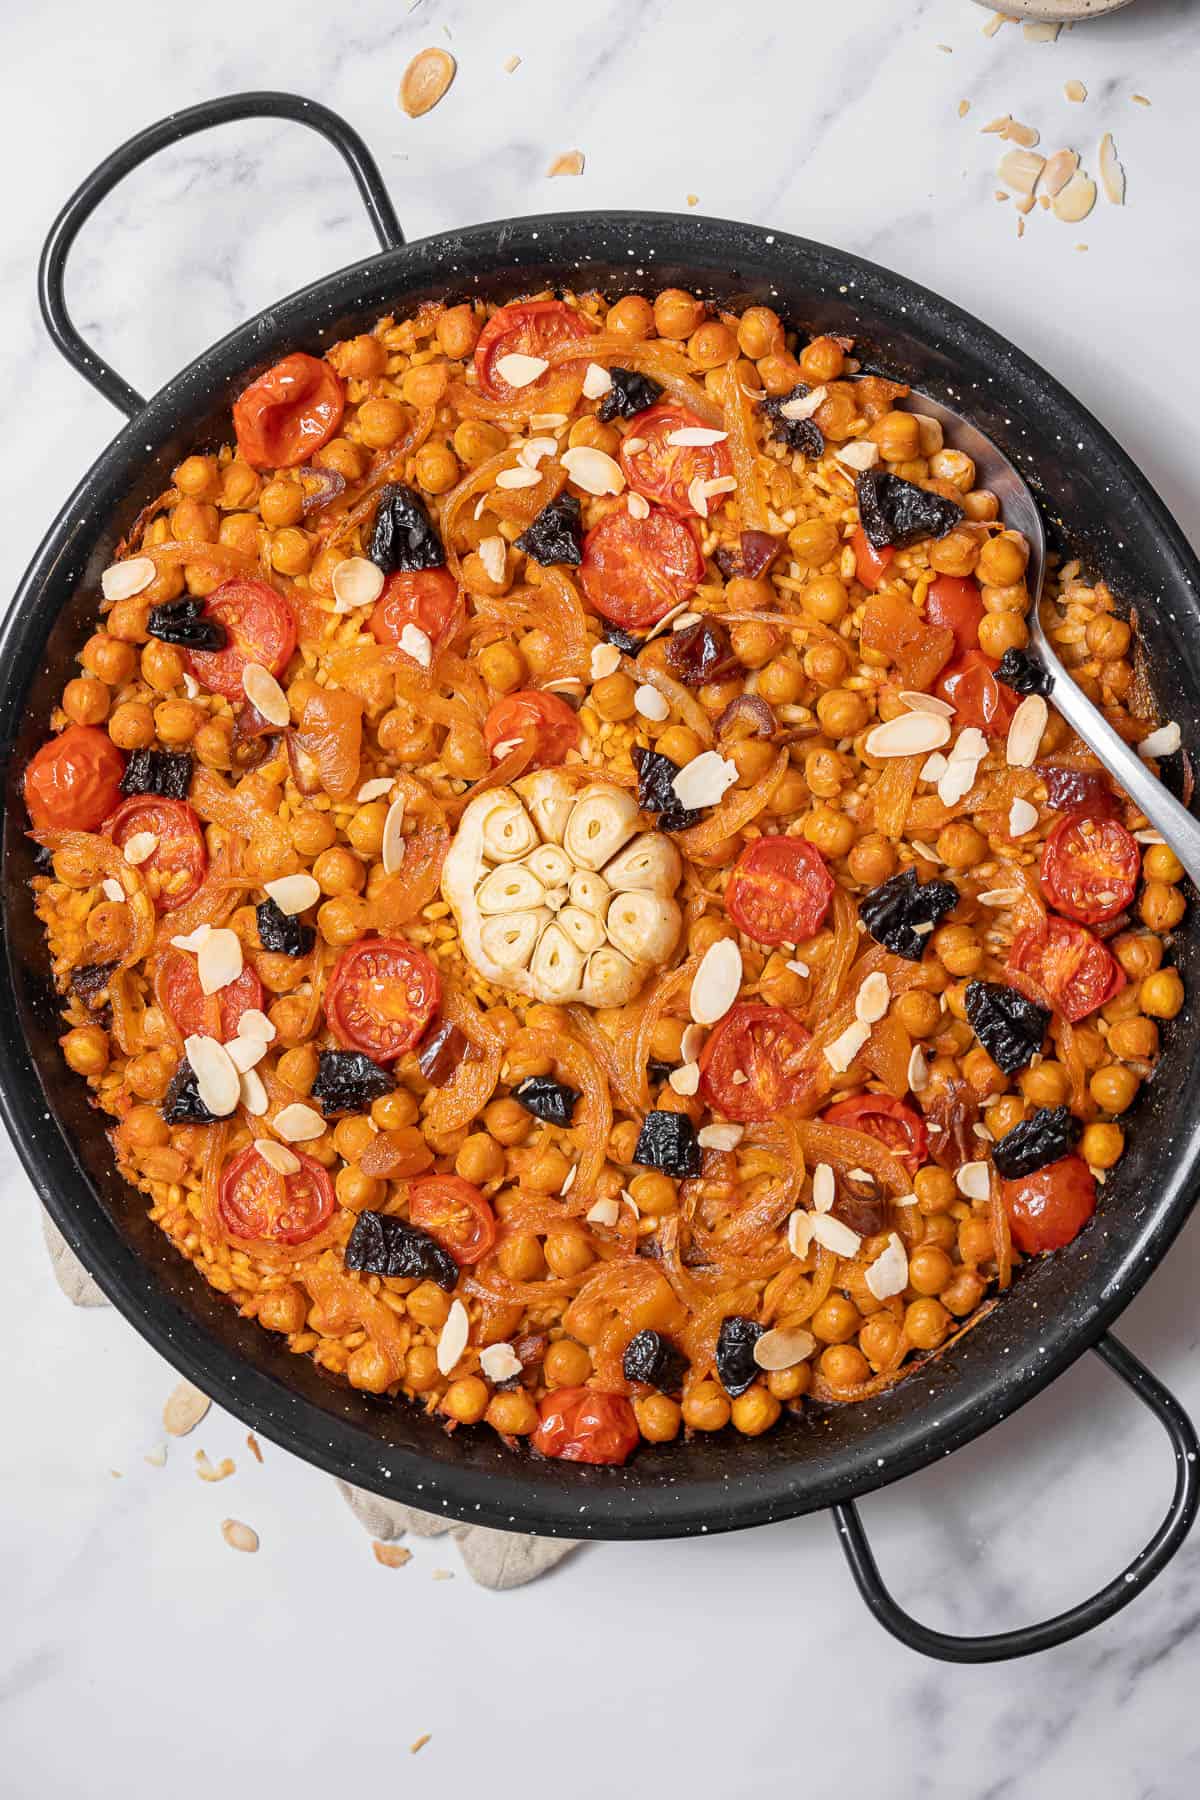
137,1652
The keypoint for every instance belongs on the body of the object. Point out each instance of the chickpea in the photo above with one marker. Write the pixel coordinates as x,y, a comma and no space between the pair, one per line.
955,554
1161,907
929,1269
198,477
1004,1112
85,701
162,666
365,829
781,683
872,860
705,932
878,1340
1101,1144
291,552
712,345
898,436
844,1366
752,757
145,1129
826,598
338,871
826,772
842,712
297,1069
425,384
755,1411
475,441
507,1121
1159,863
311,832
715,696
351,1136
281,503
502,667
1014,599
194,522
394,1111
980,506
759,332
86,1049
1135,1039
1138,953
358,1191
465,754
480,1159
832,832
790,1384
214,743
566,1364
658,1418
381,423
779,372
676,313
916,1009
420,1368
938,1230
655,1194
436,468
147,1075
960,846
1162,994
283,1309
791,793
567,1252
754,644
345,458
108,659
999,632
458,331
1003,559
982,1074
362,358
176,721
813,542
975,1240
466,1400
934,1188
1107,638
926,1321
836,1320
127,621
822,360
1046,1085
1113,1088
826,664
428,1305
955,467
706,1407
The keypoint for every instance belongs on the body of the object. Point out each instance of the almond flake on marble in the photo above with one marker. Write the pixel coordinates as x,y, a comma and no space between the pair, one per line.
1024,136
833,1235
356,582
520,371
416,643
1074,202
265,694
909,734
824,1188
500,1362
783,1347
888,1274
1019,170
569,163
220,960
606,660
704,781
1112,174
208,1471
121,581
1075,91
293,894
511,64
593,470
1058,171
1025,732
185,1408
1040,31
239,1536
299,1124
716,982
596,382
216,1078
425,81
493,554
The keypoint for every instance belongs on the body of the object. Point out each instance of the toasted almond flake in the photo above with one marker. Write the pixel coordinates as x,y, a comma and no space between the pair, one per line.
521,476
692,1042
669,621
739,1078
375,789
392,849
981,1131
1139,99
1149,837
239,1536
520,371
511,64
995,22
1076,200
716,982
157,1458
694,199
593,470
246,1052
596,381
957,779
535,450
934,767
972,1181
799,1232
549,421
415,643
254,1095
1001,195
572,1172
784,1347
923,928
185,1408
859,454
909,734
873,998
720,1137
915,701
696,437
207,1471
419,1743
802,407
603,1212
255,1023
569,163
824,1187
1040,31
453,1339
1022,135
297,1123
704,781
1075,90
504,747
888,1274
964,107
140,848
685,1079
918,1070
834,1235
220,960
1058,171
1112,174
1163,742
393,1556
265,694
500,1362
191,686
698,496
1025,732
1022,817
277,1156
493,554
633,444
356,582
111,888
121,581
216,1077
1025,204
293,894
996,127
796,967
638,506
843,1050
1019,170
905,1200
650,704
606,660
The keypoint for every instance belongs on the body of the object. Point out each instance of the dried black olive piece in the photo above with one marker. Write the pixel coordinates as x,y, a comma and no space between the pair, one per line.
892,911
183,622
655,774
654,1359
284,933
897,512
701,652
403,535
556,535
381,1245
659,1072
183,1105
624,640
736,1367
167,772
1043,1137
441,1050
90,983
547,1099
667,1141
347,1082
1010,1027
1024,672
630,393
804,435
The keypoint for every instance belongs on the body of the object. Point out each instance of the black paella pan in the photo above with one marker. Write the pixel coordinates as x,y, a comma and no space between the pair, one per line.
1059,1307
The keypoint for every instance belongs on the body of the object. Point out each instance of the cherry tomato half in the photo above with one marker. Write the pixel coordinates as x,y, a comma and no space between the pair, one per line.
289,412
869,563
767,1045
969,685
580,1425
1090,867
382,994
1069,967
530,329
545,717
1049,1208
196,1013
956,602
179,860
455,1213
426,598
635,570
664,471
779,890
898,1128
256,1201
260,627
74,781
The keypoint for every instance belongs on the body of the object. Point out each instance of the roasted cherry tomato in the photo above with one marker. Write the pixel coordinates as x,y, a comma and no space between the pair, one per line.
260,628
766,1044
779,890
426,598
580,1425
869,563
664,471
898,1128
1049,1208
196,1013
179,858
635,570
256,1201
969,685
1065,964
382,994
288,413
545,717
530,329
955,601
1090,868
455,1213
74,781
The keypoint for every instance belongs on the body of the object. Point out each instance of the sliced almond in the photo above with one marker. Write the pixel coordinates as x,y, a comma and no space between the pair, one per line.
356,582
888,1274
185,1408
783,1348
112,890
1000,897
824,1188
1163,742
593,470
239,1537
255,1023
860,454
500,1362
697,498
277,1156
697,437
246,1052
265,694
1076,200
453,1339
208,1471
1058,171
520,371
299,1124
535,451
416,643
1112,174
650,703
802,407
834,1235
546,421
799,1232
121,581
603,1212
1023,135
139,848
692,1042
915,701
685,1079
425,81
638,506
216,1078
973,1181
716,982
254,1095
1074,90
996,127
843,1050
633,444
596,381
918,1070
293,894
909,734
1022,817
1025,732
519,477
720,1137
704,781
796,967
569,1183
873,998
569,163
375,789
1019,170
606,660
493,554
220,960
934,767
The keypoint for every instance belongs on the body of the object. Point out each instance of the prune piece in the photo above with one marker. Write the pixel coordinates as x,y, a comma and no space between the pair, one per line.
624,640
1042,1138
183,622
701,652
167,772
382,1245
403,535
1010,1027
654,1359
863,1209
1075,790
547,1099
951,1114
630,393
284,933
347,1082
441,1050
892,911
898,512
736,1367
655,774
659,1072
183,1105
1024,672
667,1141
90,982
555,536
755,553
804,435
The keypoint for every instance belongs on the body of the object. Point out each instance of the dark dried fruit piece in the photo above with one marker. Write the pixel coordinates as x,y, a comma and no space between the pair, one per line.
284,933
556,535
166,772
43,859
90,984
654,1359
804,435
624,640
892,911
441,1050
630,393
658,1072
864,1209
701,652
183,622
547,1099
898,512
183,1105
382,1245
667,1141
1044,1137
736,1367
347,1082
754,555
655,774
1075,790
951,1113
403,537
1011,1028
1024,672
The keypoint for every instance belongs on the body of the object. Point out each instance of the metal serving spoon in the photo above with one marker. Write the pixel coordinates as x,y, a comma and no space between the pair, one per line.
1019,510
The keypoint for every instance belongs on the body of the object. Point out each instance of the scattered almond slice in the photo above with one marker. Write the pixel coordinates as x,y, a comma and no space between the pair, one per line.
1058,171
802,407
784,1347
916,701
716,982
1075,91
1026,136
700,437
918,1070
536,450
606,660
157,1458
934,767
1163,742
419,1743
356,582
375,789
685,1080
520,477
255,1023
220,960
453,1339
121,581
293,894
964,107
720,1137
1076,200
873,998
425,81
638,505
569,163
520,371
253,1093
112,890
500,1362
1139,99
593,470
299,1124
650,704
799,1232
1020,169
834,1235
843,1050
254,1447
603,1212
239,1536
693,199
596,381
704,780
246,1053
824,1187
208,1471
910,734
573,1171
140,848
493,554
265,694
796,967
860,454
1022,817
996,127
185,1408
1112,174
888,1274
392,1556
511,64
973,1181
217,1080
1025,732
1025,205
416,643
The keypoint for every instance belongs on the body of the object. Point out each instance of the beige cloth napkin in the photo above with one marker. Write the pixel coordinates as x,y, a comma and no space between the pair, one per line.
495,1559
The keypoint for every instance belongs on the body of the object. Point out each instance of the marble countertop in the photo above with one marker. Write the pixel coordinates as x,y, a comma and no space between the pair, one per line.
137,1650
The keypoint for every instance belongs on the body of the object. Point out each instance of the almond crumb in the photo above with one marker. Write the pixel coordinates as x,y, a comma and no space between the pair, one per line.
1139,99
391,1556
419,1743
570,163
443,1574
254,1447
964,107
511,64
1075,90
693,199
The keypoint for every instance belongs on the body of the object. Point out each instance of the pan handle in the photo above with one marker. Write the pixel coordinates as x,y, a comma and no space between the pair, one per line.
1064,1626
139,149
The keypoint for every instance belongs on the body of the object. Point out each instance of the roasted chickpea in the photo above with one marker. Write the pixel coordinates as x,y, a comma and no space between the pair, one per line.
85,701
380,423
338,871
813,542
1003,559
1138,953
759,332
790,1384
632,316
844,1365
507,1121
86,1050
162,666
781,682
955,554
656,1194
826,598
480,1159
612,696
842,712
658,1418
872,860
929,1268
176,721
1161,907
1101,1144
836,1320
934,1188
1159,863
421,1372
677,313
458,331
706,1407
475,440
879,1339
1162,994
898,436
428,1305
566,1364
365,829
826,772
926,1321
214,743
826,664
1135,1039
831,832
108,659
466,1400
512,1414
755,1411
281,503
502,667
1113,1088
822,360
1002,631
436,468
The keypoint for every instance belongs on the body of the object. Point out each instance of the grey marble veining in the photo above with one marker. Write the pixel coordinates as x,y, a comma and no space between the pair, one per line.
137,1650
